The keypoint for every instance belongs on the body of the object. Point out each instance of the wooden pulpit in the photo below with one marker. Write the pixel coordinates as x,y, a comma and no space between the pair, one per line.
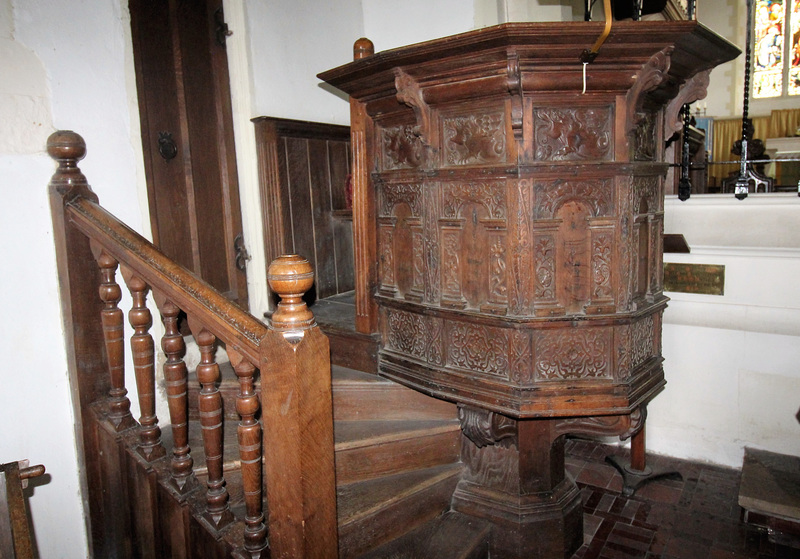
508,242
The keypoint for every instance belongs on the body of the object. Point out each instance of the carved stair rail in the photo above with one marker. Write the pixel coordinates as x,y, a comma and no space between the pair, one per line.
292,355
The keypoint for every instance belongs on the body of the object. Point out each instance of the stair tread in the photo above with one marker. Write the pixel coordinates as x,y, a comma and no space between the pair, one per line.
358,433
361,499
345,375
452,535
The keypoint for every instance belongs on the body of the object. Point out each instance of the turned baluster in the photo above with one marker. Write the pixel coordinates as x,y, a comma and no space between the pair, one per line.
175,375
210,406
112,318
142,347
249,435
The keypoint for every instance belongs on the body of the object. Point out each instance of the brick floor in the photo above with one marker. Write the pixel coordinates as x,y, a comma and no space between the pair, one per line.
694,518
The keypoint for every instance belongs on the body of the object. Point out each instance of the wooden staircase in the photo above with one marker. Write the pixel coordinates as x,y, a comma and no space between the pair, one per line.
397,465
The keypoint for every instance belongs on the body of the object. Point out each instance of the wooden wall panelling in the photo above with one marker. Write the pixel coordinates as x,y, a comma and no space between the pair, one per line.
303,173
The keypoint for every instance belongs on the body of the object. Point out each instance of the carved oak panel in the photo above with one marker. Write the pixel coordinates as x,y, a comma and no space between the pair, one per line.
576,354
572,134
474,139
477,348
401,147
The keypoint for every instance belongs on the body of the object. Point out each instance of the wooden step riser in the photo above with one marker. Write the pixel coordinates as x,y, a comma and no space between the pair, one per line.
395,518
387,401
398,456
352,401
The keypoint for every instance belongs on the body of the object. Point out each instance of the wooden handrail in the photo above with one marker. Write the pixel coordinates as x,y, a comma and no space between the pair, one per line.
291,353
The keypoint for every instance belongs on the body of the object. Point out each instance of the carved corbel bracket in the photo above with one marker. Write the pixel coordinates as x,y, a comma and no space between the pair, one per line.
409,93
484,427
694,89
622,426
650,76
514,85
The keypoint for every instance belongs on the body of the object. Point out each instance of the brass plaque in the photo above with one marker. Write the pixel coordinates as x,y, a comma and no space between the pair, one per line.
706,279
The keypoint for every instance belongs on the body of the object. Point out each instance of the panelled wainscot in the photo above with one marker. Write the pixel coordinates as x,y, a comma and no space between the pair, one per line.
508,242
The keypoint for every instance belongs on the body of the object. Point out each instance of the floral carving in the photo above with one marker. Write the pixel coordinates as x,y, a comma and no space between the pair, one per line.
478,348
431,248
475,139
418,264
491,195
601,266
387,257
522,250
545,249
577,354
407,333
451,265
398,193
597,194
434,349
402,147
641,341
648,189
572,134
644,137
520,357
497,279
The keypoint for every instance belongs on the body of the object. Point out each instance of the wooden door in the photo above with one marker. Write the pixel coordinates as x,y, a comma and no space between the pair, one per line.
187,138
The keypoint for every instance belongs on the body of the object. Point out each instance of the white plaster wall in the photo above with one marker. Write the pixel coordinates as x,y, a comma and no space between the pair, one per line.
290,43
732,361
72,61
390,24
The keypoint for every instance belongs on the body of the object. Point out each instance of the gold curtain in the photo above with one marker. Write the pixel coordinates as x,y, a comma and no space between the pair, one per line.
779,124
783,123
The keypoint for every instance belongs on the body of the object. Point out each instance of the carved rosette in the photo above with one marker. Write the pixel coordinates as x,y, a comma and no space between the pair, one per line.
577,134
407,333
478,348
402,147
474,139
575,354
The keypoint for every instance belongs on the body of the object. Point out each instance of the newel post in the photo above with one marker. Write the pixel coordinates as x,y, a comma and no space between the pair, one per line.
78,279
297,415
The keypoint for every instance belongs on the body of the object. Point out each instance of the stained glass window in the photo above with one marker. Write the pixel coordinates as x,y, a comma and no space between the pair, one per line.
793,81
770,16
776,48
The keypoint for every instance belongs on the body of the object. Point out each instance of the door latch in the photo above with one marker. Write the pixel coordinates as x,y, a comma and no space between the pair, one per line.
242,256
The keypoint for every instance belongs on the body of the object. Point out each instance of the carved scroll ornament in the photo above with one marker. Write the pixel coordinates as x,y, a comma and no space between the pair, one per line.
484,427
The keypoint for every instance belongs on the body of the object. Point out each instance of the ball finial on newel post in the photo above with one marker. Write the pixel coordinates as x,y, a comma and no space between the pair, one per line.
363,48
290,276
67,148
